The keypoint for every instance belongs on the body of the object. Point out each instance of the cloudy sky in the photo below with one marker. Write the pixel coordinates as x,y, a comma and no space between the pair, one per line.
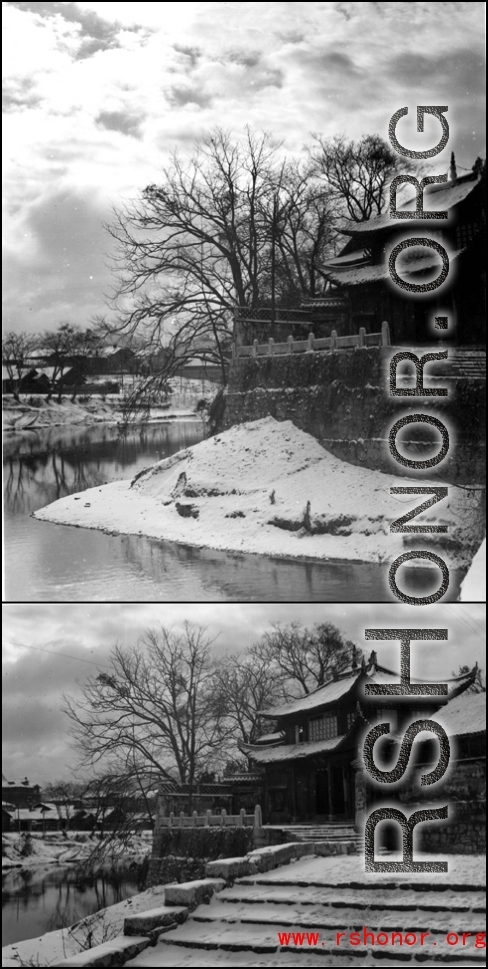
49,650
97,95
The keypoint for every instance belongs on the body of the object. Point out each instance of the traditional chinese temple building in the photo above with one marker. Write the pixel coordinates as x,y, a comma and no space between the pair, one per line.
359,290
311,762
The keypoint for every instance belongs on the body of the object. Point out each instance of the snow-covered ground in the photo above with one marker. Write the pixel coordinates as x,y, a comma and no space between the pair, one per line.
22,416
473,587
54,848
270,488
33,411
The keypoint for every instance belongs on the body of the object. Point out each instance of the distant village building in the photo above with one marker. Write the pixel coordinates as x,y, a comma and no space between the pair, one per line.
21,794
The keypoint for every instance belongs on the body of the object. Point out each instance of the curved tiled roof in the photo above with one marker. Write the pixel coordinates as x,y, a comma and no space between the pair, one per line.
464,715
269,755
334,689
438,198
357,275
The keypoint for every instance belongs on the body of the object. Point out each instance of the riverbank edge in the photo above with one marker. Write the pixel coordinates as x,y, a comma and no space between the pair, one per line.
264,488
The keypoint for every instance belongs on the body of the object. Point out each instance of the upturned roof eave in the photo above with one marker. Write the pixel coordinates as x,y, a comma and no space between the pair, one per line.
463,681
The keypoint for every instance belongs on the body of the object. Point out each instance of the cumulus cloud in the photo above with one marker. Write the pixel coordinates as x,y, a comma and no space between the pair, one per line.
98,94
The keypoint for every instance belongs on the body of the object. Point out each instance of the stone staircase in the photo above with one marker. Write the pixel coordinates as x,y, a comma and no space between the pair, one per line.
306,904
466,362
331,832
295,916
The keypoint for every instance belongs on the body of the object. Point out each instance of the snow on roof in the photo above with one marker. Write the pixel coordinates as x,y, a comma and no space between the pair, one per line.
270,738
25,784
350,258
446,196
334,689
464,715
324,694
25,814
357,275
269,755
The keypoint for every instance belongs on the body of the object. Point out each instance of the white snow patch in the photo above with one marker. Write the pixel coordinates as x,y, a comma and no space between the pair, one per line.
473,586
270,488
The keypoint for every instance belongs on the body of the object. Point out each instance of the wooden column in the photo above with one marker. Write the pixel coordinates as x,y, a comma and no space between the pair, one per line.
346,791
329,788
293,793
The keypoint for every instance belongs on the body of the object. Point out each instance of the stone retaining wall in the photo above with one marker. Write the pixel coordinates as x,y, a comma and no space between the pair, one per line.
341,398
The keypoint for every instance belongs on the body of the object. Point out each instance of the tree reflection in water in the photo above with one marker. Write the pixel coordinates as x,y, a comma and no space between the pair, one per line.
48,464
43,900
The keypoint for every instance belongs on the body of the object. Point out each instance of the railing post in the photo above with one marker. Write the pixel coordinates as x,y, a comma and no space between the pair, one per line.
208,815
255,348
194,816
290,344
385,334
181,819
258,816
223,816
362,336
311,341
242,817
171,818
333,340
271,345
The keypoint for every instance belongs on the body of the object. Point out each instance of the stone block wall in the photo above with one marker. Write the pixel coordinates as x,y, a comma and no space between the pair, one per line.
341,398
464,791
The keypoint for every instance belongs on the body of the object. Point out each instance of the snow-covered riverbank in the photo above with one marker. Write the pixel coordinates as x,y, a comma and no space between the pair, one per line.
56,849
268,487
32,412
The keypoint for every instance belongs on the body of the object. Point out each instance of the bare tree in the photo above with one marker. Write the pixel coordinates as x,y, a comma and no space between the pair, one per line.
304,659
235,225
62,344
244,688
63,794
191,248
156,706
358,173
16,350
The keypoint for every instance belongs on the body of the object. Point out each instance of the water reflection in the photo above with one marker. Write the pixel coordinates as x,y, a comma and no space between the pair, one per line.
46,562
42,466
46,899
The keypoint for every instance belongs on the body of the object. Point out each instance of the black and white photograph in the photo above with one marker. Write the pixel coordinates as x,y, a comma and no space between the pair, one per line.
195,785
243,385
243,351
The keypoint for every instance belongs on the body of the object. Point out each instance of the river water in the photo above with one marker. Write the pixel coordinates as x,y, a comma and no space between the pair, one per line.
45,899
45,562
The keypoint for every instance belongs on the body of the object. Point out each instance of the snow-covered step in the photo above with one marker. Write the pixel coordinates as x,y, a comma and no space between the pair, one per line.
404,901
265,939
180,958
325,917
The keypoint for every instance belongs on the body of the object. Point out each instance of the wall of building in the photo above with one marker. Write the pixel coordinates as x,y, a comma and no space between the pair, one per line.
464,791
341,398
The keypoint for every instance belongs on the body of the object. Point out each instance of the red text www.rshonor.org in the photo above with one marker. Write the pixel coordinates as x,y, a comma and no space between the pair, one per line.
368,938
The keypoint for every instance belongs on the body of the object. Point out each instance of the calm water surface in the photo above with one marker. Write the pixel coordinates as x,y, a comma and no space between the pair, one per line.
45,562
45,899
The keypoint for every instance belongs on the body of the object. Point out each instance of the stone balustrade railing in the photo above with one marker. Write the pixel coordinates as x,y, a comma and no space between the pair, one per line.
312,343
208,819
